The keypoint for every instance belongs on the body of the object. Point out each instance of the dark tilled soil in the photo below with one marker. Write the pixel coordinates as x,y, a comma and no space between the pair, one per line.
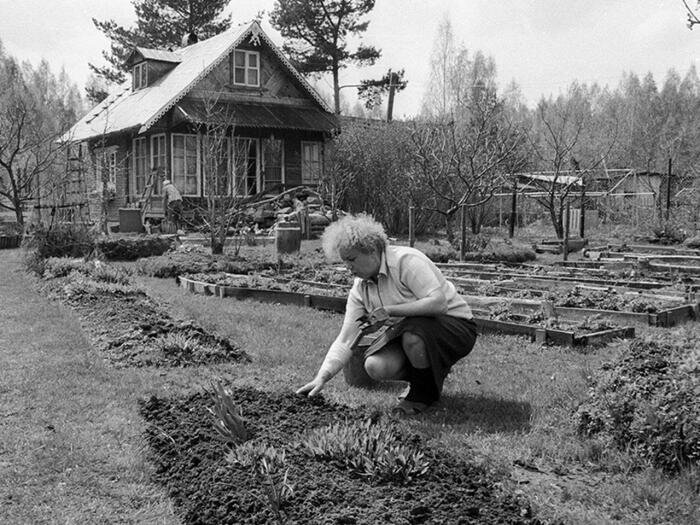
191,463
130,328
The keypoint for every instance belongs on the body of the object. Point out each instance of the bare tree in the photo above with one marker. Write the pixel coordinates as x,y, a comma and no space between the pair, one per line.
223,157
30,124
463,162
564,140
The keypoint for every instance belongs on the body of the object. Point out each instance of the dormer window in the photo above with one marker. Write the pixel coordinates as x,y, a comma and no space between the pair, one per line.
140,75
245,68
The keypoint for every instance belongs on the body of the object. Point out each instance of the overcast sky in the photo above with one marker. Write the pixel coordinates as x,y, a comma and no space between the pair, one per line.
543,45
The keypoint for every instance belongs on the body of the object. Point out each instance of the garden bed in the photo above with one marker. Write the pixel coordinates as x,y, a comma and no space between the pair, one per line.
206,488
581,304
132,330
573,335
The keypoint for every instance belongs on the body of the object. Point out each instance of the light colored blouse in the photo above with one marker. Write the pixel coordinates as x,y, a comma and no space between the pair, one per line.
405,275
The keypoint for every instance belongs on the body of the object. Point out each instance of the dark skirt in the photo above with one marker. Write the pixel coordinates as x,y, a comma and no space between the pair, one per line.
447,340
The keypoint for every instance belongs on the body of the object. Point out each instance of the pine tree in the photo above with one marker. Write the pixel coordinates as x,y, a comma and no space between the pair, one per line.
160,24
316,32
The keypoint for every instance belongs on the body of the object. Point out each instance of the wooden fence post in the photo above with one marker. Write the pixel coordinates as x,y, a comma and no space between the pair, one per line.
463,232
513,209
566,230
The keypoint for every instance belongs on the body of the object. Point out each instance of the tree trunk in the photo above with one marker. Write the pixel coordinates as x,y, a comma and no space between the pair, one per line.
336,89
19,214
449,232
217,247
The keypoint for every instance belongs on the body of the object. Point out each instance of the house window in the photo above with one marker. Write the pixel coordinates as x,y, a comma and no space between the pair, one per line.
106,166
140,75
140,150
217,165
245,156
185,163
273,160
311,162
158,161
245,69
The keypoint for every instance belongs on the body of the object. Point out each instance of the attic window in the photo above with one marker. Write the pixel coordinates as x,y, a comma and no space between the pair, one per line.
140,76
245,68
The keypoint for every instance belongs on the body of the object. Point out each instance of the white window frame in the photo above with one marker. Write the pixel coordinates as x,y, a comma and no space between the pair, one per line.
198,161
162,155
306,176
136,158
140,75
247,68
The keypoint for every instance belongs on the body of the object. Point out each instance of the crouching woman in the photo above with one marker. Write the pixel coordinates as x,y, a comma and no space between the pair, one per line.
396,282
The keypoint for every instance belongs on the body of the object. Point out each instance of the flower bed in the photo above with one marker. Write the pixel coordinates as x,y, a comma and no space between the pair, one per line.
131,329
306,479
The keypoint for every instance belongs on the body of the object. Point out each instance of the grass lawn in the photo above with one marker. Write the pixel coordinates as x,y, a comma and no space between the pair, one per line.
70,434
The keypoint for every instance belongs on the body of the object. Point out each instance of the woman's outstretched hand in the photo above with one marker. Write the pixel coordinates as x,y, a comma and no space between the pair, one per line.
312,388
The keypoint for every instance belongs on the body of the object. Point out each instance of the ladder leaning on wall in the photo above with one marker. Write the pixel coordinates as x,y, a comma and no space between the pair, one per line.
145,200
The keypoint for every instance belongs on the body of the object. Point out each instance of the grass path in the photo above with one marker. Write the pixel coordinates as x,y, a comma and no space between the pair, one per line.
70,446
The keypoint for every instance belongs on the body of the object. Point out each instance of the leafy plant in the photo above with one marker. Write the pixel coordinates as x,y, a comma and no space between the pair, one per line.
648,400
57,241
227,418
80,284
268,466
56,267
368,449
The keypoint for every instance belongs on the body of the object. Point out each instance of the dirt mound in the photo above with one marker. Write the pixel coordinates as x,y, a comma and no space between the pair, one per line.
191,463
132,330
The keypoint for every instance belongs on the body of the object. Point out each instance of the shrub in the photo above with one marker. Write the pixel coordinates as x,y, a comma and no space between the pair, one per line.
132,248
648,400
368,449
669,233
69,240
440,253
10,228
194,259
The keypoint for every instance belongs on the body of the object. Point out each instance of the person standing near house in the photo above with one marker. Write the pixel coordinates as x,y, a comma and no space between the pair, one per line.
172,203
435,329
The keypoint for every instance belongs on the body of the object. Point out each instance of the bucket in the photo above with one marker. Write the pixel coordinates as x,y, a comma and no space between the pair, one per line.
168,227
288,237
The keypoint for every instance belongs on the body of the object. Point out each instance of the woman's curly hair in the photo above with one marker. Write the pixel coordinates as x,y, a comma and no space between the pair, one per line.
360,232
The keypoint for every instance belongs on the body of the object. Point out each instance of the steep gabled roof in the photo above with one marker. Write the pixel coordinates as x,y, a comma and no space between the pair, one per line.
139,110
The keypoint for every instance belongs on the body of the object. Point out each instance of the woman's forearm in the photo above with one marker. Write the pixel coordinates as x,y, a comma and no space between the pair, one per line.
435,304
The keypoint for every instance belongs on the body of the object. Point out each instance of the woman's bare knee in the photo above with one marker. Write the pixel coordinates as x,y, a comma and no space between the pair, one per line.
377,368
